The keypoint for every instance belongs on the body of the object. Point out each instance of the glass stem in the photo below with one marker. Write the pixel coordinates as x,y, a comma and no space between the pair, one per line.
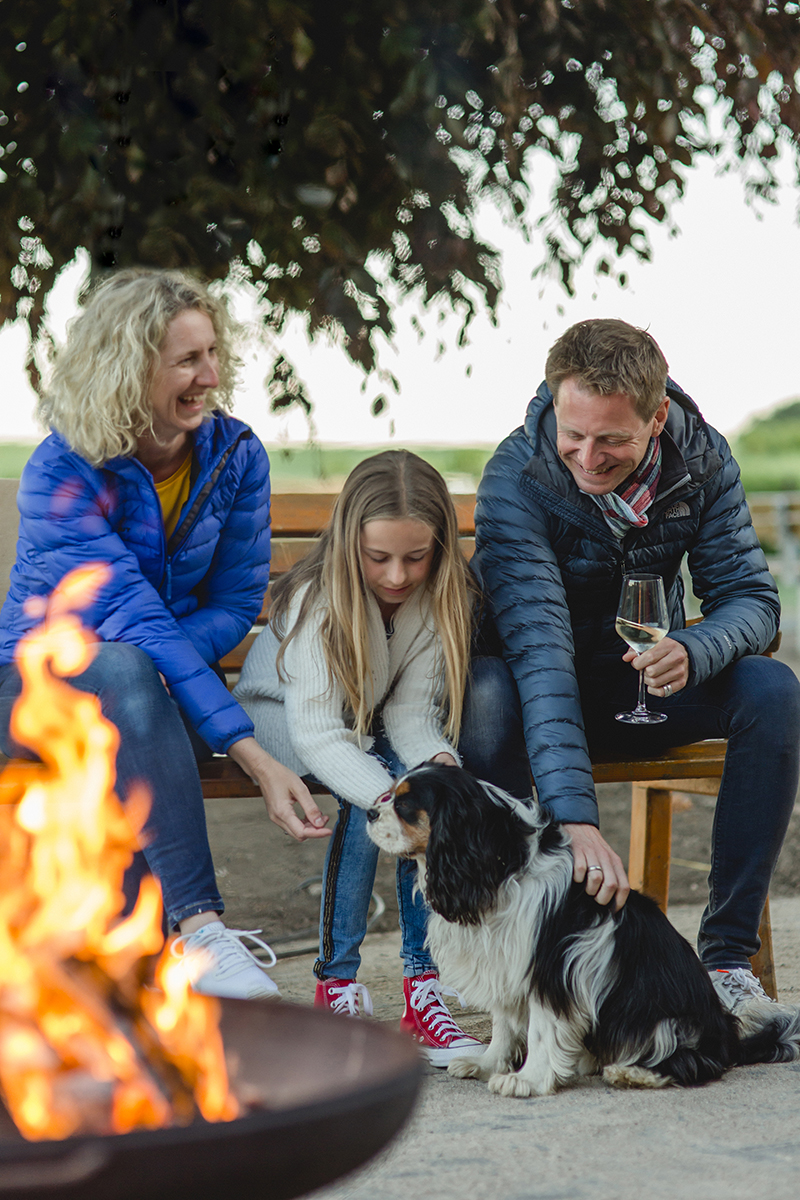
642,705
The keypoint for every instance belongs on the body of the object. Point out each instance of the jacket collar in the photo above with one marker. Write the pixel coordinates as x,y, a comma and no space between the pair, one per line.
689,456
211,441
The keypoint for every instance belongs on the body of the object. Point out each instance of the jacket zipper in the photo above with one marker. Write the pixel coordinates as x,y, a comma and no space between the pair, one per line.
190,520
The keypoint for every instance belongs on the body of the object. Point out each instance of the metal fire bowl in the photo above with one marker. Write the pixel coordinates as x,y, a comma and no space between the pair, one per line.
334,1091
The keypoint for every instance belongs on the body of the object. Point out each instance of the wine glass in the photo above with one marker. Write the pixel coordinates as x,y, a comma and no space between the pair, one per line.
642,622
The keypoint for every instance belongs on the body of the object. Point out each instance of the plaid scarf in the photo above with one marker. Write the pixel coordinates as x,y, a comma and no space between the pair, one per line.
627,509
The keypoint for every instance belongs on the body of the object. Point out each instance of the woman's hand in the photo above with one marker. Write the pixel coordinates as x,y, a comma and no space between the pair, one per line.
282,790
445,758
591,851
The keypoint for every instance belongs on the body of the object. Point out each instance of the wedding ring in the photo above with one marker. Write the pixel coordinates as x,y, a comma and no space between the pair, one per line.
594,868
667,690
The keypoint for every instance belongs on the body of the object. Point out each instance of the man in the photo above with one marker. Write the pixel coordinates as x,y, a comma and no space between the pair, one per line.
615,472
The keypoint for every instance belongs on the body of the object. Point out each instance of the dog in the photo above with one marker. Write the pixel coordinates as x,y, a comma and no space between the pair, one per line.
573,987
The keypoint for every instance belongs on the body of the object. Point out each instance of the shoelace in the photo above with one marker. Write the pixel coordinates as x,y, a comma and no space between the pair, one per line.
227,951
345,999
426,998
743,985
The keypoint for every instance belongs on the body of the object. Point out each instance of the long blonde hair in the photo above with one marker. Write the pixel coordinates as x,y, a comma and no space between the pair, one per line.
99,395
393,485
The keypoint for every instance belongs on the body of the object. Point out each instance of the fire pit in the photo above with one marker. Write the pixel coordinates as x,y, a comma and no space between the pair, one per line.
324,1092
123,1081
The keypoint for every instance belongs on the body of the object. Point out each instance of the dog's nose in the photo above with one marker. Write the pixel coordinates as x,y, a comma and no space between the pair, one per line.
372,814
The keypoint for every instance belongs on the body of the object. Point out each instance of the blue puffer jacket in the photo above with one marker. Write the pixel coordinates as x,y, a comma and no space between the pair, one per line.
187,603
552,570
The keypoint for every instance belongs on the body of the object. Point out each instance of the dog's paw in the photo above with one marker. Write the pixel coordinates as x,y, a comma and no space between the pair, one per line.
511,1085
634,1077
470,1067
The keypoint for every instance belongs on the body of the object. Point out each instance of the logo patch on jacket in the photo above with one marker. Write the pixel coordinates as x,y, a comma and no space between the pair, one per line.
677,510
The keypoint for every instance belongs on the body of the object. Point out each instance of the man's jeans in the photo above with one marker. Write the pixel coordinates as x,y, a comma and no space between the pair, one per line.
159,751
755,704
491,747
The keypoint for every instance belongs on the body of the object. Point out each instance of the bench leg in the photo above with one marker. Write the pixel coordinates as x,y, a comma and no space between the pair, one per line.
763,963
648,868
651,837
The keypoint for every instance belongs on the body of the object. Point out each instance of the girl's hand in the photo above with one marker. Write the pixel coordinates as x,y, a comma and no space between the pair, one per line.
282,790
445,758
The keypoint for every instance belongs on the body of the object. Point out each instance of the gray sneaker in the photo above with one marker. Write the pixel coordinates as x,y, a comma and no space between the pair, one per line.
219,964
737,988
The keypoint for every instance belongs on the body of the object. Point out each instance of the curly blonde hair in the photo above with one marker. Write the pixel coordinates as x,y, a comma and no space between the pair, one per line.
98,398
393,485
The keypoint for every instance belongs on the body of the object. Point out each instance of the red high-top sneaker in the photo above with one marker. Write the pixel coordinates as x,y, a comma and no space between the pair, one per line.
342,996
428,1020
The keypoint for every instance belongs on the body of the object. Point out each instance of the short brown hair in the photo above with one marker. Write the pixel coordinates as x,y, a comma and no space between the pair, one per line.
606,356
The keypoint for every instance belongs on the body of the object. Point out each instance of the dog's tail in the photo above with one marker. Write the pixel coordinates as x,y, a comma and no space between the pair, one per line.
768,1032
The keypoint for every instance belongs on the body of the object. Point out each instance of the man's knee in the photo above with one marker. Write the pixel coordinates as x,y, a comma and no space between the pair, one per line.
492,688
767,691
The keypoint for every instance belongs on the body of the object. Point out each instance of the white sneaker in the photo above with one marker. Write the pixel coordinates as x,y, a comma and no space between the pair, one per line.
219,964
737,988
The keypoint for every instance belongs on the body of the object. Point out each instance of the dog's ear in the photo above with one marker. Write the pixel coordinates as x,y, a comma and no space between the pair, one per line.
475,844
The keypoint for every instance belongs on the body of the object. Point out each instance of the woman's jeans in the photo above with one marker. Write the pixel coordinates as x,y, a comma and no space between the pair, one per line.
157,750
491,747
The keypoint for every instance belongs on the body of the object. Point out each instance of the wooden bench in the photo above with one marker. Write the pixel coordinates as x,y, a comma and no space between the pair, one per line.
296,522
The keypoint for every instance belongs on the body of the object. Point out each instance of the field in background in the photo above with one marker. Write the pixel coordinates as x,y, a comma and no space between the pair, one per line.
321,468
324,468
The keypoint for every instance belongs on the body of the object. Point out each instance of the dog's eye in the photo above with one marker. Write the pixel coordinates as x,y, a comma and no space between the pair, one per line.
406,812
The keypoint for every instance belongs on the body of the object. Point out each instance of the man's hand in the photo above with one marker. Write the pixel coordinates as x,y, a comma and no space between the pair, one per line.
282,790
664,664
591,851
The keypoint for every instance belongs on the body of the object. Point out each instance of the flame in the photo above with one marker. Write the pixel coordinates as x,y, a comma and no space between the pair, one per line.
85,1044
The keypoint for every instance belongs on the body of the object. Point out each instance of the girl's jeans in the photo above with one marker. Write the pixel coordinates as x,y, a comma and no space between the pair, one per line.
491,747
158,750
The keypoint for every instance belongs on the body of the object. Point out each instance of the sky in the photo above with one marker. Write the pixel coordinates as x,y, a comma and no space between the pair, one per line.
719,297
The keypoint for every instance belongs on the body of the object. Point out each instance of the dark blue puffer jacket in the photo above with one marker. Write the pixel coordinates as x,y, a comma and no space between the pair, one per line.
552,570
186,604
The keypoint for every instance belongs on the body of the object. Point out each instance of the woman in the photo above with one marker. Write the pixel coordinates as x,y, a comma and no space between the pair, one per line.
145,470
361,675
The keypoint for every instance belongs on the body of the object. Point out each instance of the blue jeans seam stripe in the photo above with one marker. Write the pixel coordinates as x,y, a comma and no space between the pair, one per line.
327,949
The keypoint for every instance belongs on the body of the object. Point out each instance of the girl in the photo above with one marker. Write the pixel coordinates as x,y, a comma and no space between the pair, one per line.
360,676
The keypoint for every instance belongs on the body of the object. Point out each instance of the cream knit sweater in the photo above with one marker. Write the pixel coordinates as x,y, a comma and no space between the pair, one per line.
406,680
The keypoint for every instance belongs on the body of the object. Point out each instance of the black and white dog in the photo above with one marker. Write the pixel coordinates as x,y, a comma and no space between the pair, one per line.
573,987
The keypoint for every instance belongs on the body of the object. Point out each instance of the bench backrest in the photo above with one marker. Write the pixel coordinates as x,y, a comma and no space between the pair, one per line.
9,526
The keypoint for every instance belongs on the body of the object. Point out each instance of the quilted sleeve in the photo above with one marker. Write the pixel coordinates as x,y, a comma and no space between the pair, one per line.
739,597
523,583
66,522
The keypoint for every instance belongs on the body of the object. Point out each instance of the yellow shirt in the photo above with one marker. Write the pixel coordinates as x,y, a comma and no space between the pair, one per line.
173,494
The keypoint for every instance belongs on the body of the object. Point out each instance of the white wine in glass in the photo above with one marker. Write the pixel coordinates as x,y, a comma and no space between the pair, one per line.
642,621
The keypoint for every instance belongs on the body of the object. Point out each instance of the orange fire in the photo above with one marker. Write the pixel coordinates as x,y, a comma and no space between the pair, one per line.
85,1044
